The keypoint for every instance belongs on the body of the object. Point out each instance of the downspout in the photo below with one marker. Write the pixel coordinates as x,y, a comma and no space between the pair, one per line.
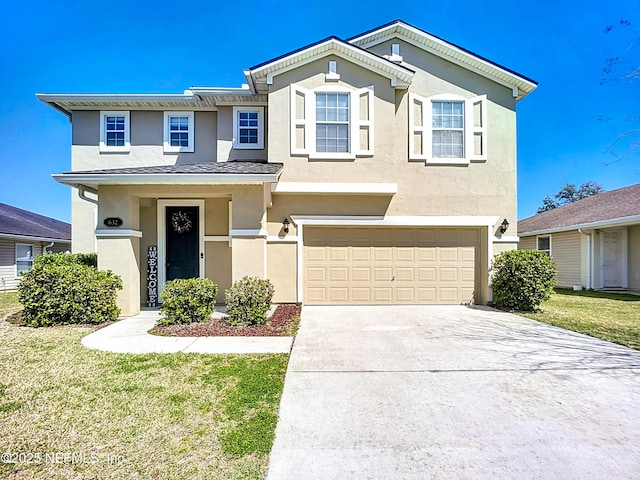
589,255
44,248
82,193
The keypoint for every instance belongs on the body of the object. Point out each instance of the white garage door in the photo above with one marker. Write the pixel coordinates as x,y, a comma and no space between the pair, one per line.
362,266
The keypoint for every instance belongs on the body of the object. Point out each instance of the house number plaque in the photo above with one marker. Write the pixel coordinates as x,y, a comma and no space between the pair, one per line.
113,222
152,276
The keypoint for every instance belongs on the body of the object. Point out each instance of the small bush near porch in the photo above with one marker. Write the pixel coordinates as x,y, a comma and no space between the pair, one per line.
613,317
188,300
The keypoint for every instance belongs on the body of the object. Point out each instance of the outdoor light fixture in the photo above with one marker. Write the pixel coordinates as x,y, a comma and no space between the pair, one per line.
285,225
504,225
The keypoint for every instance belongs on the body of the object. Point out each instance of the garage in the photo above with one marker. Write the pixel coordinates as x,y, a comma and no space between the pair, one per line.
371,266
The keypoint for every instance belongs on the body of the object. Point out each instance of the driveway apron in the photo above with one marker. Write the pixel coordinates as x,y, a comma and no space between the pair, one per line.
451,392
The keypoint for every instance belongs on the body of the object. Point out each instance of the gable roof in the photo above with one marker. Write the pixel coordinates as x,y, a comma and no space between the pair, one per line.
520,84
16,222
261,75
615,207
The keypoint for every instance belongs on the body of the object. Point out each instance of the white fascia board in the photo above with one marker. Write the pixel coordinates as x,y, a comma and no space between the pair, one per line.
335,188
610,223
163,179
396,220
28,238
106,97
401,77
124,232
244,90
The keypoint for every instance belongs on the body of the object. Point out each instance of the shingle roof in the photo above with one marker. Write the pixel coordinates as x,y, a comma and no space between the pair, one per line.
15,221
620,203
234,168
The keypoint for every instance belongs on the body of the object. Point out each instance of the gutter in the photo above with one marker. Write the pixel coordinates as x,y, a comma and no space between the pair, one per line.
612,222
83,180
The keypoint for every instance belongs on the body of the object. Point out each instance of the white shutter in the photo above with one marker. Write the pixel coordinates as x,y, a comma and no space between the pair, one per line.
362,121
476,129
302,121
419,127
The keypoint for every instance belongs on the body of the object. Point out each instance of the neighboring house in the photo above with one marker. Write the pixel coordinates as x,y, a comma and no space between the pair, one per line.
595,242
375,170
23,236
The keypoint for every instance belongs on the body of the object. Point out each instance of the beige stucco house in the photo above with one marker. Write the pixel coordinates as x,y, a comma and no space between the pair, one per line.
594,242
375,170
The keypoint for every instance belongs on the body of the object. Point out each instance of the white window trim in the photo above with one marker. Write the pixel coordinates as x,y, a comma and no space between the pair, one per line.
18,275
236,129
425,129
168,148
309,122
550,244
103,134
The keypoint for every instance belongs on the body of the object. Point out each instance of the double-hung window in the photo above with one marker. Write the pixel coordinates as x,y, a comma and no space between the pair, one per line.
447,129
544,244
332,122
178,132
114,132
24,258
248,127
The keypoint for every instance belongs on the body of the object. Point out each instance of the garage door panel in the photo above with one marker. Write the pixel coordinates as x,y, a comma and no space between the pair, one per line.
385,266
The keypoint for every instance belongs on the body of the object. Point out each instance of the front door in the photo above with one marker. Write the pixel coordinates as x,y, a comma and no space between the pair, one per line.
611,262
182,255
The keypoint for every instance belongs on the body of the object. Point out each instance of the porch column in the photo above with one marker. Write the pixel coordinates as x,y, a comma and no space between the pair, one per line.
247,233
119,245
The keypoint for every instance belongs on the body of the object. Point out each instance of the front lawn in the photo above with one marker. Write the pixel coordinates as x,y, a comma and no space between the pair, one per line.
9,303
70,412
614,317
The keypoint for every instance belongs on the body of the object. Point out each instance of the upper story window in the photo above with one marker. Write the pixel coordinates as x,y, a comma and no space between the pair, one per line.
332,122
114,132
24,258
544,244
248,127
447,129
178,132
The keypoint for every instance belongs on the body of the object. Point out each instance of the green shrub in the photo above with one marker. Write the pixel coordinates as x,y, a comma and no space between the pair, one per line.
248,301
522,279
60,291
89,259
188,300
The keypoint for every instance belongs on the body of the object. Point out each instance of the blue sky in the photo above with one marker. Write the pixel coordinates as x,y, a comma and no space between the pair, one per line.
55,46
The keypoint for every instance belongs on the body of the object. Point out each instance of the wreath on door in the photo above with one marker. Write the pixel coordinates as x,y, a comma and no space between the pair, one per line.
181,222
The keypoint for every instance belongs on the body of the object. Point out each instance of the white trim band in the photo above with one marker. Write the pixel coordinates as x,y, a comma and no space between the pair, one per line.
335,188
125,232
248,232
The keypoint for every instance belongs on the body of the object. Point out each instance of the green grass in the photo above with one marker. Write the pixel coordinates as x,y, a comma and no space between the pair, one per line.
9,303
613,317
122,416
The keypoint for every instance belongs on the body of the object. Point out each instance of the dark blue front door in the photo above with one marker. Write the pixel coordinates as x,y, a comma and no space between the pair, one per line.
182,242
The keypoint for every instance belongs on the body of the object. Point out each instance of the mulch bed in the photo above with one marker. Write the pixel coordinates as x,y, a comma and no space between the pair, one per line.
278,324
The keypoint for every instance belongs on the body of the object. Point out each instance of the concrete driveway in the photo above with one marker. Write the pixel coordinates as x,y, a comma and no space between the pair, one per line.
431,392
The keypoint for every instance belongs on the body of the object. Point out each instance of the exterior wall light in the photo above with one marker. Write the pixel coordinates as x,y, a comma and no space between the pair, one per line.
285,225
503,226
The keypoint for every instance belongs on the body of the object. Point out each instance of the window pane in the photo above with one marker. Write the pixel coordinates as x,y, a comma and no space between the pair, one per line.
543,243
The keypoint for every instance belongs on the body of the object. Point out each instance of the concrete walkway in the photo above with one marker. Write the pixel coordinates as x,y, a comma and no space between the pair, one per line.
428,392
130,336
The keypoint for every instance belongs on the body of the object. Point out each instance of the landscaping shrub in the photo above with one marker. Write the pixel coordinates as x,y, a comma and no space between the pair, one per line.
188,300
248,301
88,259
522,279
62,289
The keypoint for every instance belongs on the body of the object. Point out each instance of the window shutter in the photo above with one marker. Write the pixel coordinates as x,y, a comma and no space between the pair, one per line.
419,127
302,121
362,123
476,129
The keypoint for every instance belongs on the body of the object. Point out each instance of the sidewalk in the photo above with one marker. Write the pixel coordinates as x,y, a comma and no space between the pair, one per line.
130,336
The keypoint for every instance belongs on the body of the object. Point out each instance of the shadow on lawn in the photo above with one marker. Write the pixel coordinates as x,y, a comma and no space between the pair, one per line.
622,297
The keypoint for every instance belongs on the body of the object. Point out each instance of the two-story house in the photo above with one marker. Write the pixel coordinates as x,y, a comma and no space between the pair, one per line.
374,170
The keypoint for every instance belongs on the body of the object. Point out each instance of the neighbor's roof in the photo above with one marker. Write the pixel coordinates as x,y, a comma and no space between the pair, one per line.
16,222
237,172
616,207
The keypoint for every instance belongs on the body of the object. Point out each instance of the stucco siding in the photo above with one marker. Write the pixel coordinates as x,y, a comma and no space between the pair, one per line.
634,257
566,253
282,271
